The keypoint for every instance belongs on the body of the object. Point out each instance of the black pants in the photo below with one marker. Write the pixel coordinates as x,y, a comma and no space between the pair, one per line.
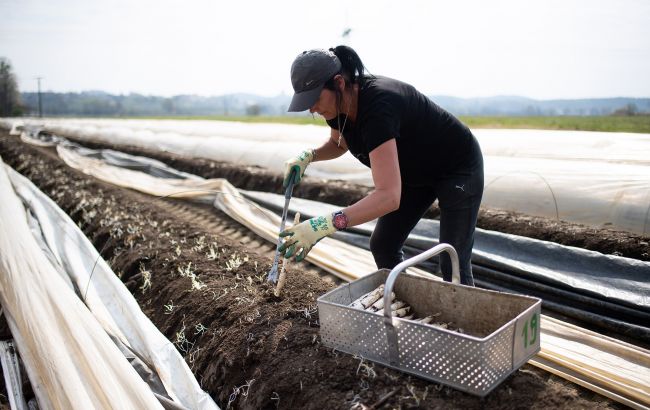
459,196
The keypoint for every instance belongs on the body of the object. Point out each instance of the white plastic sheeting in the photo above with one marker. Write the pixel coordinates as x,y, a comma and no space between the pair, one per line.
12,376
70,360
113,307
594,178
607,366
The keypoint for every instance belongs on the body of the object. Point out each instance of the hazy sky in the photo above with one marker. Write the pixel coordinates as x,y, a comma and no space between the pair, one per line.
541,49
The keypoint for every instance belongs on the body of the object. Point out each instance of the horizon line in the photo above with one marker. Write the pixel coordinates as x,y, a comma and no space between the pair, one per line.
289,96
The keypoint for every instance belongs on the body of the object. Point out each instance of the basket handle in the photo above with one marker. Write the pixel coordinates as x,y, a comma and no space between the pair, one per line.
390,283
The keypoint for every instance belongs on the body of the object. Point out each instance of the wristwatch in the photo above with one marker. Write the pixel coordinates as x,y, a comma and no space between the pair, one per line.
340,220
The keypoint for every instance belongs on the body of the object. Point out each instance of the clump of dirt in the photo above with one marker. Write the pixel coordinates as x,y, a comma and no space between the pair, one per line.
208,294
342,193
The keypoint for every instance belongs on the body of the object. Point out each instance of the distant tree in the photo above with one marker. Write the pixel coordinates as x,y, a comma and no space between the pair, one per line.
10,105
168,106
627,110
532,110
253,109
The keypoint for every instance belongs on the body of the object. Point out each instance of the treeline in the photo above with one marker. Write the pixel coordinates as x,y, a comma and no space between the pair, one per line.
97,103
522,106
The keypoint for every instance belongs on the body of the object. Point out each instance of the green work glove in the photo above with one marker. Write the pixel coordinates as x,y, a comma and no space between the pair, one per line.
305,235
299,164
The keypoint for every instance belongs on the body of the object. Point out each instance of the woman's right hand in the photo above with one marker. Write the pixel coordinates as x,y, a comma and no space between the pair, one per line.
299,164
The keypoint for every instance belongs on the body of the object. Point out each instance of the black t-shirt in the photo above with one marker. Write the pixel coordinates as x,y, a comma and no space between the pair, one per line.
430,141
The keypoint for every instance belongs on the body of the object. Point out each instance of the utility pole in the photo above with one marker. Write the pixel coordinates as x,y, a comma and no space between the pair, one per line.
40,106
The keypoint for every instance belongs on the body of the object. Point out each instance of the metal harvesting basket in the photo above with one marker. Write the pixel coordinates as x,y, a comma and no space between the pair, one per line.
501,330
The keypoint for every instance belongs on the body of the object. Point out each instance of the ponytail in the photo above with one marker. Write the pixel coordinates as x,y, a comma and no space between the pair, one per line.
352,69
353,72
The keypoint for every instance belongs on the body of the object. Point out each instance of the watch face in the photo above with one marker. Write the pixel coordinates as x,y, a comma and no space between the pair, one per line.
340,221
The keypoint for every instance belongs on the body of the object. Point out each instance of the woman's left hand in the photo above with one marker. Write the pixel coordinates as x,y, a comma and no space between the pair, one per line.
302,237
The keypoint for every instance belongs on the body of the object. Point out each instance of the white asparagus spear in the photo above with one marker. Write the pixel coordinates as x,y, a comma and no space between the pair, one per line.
428,319
397,305
379,305
361,302
283,270
373,297
357,303
401,312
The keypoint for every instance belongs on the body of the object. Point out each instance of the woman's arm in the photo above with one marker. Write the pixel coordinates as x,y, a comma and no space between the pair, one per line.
300,238
331,148
388,186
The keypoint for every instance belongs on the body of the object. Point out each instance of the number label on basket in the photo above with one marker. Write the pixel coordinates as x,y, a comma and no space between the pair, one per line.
526,336
529,337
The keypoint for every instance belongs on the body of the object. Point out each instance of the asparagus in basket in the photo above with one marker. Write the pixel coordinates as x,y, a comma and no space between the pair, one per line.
368,299
373,301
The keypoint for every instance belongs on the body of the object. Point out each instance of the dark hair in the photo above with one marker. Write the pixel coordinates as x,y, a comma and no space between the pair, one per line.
352,69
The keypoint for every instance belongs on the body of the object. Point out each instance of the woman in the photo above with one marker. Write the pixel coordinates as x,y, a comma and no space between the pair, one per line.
417,153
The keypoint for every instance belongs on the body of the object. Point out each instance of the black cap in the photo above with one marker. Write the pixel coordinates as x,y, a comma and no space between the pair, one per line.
309,73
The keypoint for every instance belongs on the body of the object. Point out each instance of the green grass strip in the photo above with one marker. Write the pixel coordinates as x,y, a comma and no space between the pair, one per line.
637,123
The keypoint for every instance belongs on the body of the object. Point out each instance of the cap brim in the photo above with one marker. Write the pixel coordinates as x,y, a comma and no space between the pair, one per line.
304,100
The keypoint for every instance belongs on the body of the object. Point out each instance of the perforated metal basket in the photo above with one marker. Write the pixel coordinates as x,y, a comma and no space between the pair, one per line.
500,330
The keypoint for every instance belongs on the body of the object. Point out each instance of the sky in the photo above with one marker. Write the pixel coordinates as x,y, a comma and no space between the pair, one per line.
543,49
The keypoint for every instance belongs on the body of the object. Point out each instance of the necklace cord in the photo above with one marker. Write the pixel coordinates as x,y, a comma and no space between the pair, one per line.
338,120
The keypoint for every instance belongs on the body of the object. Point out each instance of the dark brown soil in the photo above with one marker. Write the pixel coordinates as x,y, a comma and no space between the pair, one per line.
342,193
247,348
